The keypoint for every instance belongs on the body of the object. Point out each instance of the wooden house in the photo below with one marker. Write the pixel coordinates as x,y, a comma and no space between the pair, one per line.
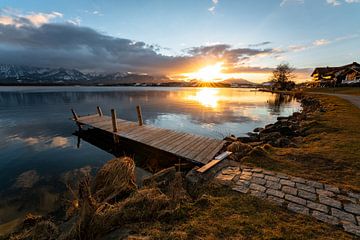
335,76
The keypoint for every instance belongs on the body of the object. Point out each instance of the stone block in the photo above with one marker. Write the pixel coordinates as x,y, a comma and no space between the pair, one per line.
272,178
245,177
287,183
257,170
329,201
276,200
298,208
352,208
315,184
294,199
305,187
325,193
259,175
354,195
275,193
282,176
257,187
273,185
289,190
298,180
317,206
346,199
257,180
351,228
241,189
258,194
269,173
332,188
325,218
343,215
307,195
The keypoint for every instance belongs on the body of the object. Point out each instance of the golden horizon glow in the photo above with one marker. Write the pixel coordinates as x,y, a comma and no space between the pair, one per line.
210,73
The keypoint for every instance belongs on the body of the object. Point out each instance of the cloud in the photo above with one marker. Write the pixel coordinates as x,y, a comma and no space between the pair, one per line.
13,17
213,7
333,2
321,42
284,2
259,44
72,46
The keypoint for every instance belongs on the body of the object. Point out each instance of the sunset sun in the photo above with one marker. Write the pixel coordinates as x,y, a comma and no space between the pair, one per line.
210,73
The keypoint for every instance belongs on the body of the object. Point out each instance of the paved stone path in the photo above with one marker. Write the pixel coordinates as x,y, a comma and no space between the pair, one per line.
351,98
324,202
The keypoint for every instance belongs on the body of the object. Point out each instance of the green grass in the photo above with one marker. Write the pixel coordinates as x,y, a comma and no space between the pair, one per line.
340,90
225,214
330,153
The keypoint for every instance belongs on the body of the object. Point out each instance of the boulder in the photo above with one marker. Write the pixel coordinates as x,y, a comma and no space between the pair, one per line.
283,142
161,178
267,137
258,129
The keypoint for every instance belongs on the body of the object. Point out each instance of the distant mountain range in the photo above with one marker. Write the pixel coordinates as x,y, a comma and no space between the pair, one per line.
14,74
11,74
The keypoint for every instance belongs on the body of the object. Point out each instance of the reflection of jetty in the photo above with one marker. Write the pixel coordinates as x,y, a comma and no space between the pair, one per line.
197,149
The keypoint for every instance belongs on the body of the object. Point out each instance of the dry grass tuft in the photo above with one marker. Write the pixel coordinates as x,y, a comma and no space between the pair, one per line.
115,179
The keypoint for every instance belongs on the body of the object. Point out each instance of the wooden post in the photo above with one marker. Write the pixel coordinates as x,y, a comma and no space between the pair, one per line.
113,118
74,115
99,111
139,115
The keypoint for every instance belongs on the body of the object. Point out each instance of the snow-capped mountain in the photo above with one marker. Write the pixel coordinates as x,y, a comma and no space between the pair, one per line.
14,73
11,74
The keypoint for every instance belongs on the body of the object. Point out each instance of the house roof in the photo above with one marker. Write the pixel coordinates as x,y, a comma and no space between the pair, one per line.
333,70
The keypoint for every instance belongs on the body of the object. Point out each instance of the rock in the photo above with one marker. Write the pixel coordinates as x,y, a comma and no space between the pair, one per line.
351,228
289,190
269,137
230,138
282,118
287,182
283,142
244,139
258,129
298,208
285,130
307,195
239,149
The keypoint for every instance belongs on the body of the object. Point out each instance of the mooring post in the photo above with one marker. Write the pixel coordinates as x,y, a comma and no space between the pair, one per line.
74,115
113,118
139,115
99,111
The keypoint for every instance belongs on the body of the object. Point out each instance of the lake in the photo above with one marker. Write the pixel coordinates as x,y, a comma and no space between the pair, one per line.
37,133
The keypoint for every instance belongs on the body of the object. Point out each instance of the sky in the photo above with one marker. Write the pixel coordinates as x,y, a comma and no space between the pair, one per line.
227,38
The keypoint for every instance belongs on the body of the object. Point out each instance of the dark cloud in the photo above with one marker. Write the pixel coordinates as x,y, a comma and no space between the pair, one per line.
83,48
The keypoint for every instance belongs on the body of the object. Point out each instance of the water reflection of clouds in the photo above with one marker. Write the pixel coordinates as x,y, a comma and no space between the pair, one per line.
41,142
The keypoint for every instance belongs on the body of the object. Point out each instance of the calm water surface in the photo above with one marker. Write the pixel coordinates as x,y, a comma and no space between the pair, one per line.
36,130
36,133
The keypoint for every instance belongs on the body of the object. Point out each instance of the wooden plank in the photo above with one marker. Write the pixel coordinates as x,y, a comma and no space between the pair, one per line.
223,155
191,147
214,152
83,118
189,143
175,142
183,142
162,140
183,138
153,135
201,156
160,136
199,148
206,167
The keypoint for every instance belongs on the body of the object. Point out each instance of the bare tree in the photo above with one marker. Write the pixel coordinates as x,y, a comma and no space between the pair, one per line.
283,76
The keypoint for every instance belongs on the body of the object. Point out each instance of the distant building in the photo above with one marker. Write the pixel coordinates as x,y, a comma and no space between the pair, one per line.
335,76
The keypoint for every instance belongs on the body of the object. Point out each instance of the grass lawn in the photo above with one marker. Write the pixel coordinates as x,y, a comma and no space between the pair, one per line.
224,214
340,90
330,152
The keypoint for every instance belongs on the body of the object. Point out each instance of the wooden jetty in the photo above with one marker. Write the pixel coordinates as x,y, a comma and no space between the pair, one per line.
197,149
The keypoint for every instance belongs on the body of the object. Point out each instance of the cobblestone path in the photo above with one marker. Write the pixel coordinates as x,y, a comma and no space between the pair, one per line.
324,202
